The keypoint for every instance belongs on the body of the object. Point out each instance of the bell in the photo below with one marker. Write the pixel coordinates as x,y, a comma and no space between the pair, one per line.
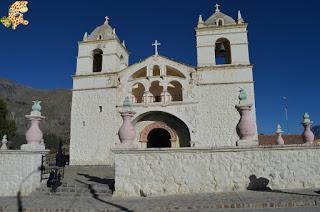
221,47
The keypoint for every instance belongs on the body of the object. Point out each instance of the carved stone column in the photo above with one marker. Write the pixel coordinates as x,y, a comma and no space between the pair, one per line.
34,135
4,143
127,131
308,136
279,139
246,127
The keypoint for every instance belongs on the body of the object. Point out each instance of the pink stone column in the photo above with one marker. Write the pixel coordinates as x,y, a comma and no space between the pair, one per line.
127,132
279,139
34,135
308,136
245,127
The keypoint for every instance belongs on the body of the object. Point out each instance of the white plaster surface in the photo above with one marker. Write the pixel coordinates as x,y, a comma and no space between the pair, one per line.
210,94
19,170
155,172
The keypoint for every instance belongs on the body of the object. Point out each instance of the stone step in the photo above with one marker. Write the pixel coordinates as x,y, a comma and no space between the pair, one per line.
81,190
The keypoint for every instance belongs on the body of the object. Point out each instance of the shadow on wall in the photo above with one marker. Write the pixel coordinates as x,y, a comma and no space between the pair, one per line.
261,184
258,184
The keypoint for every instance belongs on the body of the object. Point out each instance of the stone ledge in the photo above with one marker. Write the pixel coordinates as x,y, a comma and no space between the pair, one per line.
25,152
216,149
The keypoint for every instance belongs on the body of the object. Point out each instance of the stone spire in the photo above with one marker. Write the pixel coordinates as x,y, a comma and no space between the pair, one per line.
240,19
200,21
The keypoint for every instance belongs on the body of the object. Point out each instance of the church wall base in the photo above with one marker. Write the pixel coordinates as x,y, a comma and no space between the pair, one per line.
157,172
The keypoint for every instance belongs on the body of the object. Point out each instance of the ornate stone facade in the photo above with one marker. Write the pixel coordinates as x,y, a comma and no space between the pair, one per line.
194,106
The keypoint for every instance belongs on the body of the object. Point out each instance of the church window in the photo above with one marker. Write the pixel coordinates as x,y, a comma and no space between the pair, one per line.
156,89
156,70
175,89
138,91
84,123
223,51
220,22
142,73
100,37
97,60
100,109
174,72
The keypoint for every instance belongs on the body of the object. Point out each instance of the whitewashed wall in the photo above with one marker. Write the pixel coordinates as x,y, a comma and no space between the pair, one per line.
155,172
19,170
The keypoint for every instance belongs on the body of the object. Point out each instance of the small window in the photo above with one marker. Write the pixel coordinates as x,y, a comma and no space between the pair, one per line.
84,123
156,70
100,37
220,22
100,109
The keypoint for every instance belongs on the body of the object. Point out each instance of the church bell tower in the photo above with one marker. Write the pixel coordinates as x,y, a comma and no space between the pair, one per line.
101,52
221,40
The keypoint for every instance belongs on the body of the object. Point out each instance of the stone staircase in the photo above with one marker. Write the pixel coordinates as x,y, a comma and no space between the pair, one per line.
82,181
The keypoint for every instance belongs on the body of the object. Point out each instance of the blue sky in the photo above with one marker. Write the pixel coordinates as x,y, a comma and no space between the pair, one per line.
283,40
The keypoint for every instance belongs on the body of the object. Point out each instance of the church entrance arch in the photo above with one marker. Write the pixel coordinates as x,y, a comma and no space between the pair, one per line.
158,124
158,135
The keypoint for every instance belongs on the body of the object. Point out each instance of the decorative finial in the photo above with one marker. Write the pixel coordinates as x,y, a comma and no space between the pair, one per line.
85,36
240,19
126,105
200,20
36,107
114,31
107,20
306,118
242,95
156,44
279,130
4,143
217,7
123,43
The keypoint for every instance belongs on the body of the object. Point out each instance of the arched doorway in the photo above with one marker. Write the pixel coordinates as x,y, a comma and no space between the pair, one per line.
159,138
158,135
179,131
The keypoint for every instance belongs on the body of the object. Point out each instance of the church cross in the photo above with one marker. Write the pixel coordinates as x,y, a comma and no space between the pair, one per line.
107,20
156,44
217,7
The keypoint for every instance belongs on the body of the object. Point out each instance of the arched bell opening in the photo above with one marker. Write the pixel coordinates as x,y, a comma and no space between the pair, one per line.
97,60
223,51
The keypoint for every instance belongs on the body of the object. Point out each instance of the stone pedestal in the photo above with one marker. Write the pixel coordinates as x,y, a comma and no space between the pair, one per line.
279,139
245,127
4,143
308,136
34,135
127,132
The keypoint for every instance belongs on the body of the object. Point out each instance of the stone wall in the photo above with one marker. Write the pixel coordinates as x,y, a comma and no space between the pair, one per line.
19,170
155,172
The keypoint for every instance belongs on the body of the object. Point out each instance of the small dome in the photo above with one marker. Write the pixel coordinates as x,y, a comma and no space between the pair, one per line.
213,20
103,32
219,18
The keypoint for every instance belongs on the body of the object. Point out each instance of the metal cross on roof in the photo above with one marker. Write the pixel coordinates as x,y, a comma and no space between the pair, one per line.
217,7
156,44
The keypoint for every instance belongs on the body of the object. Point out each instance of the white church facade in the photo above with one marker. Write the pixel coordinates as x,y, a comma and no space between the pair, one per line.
176,105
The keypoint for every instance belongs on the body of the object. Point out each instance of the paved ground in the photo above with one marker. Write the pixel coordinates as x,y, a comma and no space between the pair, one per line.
93,181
